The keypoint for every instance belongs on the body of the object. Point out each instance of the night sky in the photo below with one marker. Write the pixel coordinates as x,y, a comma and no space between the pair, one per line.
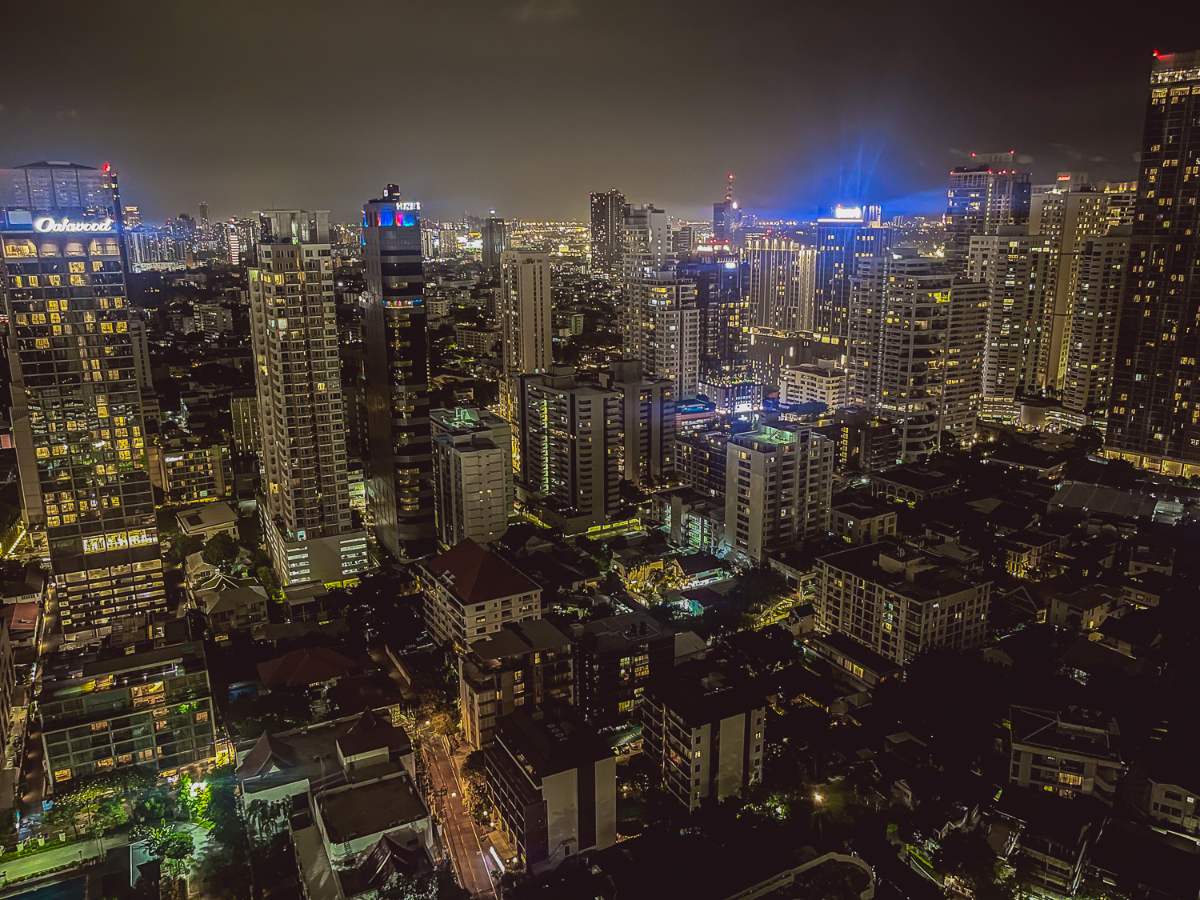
526,105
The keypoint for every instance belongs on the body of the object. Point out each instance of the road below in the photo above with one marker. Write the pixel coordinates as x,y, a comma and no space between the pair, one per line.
458,828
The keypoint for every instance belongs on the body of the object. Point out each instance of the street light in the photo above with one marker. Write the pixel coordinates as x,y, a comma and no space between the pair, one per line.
818,798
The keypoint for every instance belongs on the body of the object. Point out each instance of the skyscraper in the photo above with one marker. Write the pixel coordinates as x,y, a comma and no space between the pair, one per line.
983,197
727,217
918,348
76,403
645,240
1067,217
843,241
608,210
524,311
782,283
662,328
570,437
1020,271
1154,419
648,421
305,504
395,335
717,272
494,234
1100,265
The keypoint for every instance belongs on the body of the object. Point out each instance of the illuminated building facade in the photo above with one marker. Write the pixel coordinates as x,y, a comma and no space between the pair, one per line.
1020,272
982,198
76,402
1100,271
717,272
570,434
844,240
608,209
1154,416
778,488
395,332
662,328
305,503
524,311
473,475
648,421
782,283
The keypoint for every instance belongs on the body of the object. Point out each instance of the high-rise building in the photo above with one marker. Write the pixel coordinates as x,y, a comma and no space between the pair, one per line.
1068,214
662,328
717,272
1100,273
1154,417
727,216
608,210
917,352
494,235
982,198
305,503
473,475
782,283
570,442
77,407
778,489
645,240
1020,271
844,240
396,350
524,311
648,421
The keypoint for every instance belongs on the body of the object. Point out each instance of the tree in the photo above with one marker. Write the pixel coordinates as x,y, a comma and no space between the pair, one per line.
221,550
967,857
184,546
172,847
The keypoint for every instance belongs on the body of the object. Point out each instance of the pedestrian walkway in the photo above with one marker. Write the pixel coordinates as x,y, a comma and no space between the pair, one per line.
75,854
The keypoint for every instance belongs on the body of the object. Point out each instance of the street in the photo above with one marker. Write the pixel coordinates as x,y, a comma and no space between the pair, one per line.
457,827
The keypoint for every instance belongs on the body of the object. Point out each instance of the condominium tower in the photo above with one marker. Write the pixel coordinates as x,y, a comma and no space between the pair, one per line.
305,504
76,403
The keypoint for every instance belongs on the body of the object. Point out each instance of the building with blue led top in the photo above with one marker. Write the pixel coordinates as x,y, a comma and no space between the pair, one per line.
396,347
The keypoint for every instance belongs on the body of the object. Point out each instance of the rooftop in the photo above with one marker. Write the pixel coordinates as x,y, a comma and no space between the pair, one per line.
371,807
1075,731
549,741
303,667
903,569
474,574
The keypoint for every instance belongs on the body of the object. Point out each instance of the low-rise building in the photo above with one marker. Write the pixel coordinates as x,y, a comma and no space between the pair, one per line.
471,591
1172,798
553,783
862,522
900,601
1072,753
704,731
208,521
912,484
524,664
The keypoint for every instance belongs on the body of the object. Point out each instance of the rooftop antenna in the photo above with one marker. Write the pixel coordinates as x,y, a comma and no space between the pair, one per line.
729,188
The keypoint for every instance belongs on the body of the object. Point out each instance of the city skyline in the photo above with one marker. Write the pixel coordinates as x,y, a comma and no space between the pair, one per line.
179,129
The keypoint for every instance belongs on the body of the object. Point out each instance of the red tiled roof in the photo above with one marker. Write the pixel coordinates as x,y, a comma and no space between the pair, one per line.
21,618
301,668
477,574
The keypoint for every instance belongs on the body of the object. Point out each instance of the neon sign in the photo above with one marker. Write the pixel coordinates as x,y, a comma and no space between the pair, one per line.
70,226
847,212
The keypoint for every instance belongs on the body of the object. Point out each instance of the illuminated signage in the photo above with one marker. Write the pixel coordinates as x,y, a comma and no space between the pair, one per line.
411,205
66,225
847,212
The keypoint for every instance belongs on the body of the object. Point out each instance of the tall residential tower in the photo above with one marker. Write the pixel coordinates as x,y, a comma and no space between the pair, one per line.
77,405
